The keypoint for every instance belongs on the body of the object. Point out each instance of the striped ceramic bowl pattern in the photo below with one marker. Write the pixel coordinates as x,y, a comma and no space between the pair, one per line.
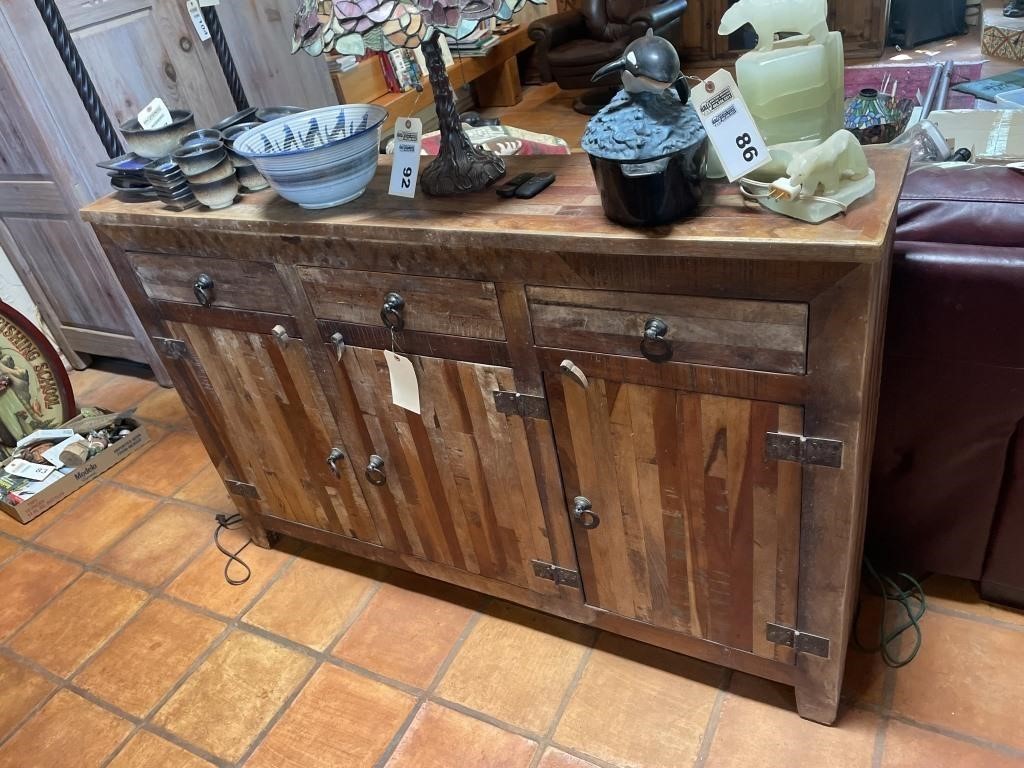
320,158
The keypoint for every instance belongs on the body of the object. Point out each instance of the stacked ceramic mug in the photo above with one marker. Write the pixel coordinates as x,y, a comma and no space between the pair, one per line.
205,163
248,176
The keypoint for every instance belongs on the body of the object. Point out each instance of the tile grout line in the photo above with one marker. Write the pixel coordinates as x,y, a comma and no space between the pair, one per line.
442,670
714,718
320,657
545,741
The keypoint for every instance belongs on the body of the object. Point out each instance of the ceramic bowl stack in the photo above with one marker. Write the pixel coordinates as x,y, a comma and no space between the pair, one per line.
319,158
159,142
127,178
169,182
209,171
248,175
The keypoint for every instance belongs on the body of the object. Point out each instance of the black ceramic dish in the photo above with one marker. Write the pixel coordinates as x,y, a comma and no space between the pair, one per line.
157,143
203,134
197,158
266,114
239,117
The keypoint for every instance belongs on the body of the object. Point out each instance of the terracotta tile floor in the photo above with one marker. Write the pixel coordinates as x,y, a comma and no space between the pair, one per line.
122,646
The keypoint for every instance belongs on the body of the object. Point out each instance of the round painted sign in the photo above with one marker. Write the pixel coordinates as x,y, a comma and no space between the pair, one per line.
35,392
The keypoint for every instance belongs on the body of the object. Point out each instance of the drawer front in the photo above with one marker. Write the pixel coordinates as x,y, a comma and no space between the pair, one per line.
431,304
730,333
246,285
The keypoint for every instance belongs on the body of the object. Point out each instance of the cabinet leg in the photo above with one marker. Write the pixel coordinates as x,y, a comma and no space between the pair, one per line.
818,701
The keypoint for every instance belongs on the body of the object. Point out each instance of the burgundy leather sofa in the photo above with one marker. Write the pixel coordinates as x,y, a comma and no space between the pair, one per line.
947,484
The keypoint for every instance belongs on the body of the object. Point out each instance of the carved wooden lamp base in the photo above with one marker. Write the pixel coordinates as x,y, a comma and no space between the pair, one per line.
460,166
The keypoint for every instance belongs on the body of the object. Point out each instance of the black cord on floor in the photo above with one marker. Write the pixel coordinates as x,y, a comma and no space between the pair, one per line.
226,522
910,599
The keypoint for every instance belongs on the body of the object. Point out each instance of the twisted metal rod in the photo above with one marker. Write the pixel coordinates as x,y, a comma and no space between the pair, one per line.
227,62
80,77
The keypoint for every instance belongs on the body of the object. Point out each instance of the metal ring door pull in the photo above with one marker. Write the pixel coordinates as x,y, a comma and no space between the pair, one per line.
653,344
391,312
203,289
583,513
375,470
333,457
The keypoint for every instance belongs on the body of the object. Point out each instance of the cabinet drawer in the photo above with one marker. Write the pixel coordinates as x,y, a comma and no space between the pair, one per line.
431,304
248,285
729,333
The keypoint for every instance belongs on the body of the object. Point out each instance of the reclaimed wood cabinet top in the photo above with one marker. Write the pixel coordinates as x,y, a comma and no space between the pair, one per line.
567,217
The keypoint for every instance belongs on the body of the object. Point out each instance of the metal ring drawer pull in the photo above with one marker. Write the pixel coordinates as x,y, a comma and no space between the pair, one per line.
203,289
654,346
391,312
332,460
583,513
375,470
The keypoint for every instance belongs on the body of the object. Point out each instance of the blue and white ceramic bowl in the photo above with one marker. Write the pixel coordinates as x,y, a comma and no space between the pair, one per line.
320,158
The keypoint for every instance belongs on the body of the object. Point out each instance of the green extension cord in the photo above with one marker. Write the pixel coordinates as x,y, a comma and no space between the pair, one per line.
910,599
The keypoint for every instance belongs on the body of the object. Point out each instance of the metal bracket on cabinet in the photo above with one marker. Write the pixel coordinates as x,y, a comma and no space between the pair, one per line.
517,404
801,642
237,488
175,349
817,451
556,573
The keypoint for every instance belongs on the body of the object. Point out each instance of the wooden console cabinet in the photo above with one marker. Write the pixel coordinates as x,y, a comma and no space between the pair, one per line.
697,483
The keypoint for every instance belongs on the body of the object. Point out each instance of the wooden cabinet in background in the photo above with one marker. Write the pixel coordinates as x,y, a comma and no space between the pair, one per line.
664,433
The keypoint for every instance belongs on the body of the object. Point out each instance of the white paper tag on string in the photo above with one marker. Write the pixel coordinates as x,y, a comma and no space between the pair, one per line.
730,127
405,168
155,115
29,470
405,389
198,21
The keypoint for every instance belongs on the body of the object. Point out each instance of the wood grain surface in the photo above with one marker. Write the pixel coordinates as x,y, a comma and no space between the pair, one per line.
566,217
460,486
698,532
731,333
269,405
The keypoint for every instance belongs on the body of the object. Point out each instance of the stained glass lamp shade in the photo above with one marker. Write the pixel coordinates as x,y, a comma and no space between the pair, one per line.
357,26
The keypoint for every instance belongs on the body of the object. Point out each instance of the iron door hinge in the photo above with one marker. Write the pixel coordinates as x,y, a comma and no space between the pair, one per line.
237,488
518,404
801,642
556,573
175,349
817,451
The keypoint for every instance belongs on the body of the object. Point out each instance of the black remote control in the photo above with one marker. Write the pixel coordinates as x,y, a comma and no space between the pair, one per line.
535,186
508,189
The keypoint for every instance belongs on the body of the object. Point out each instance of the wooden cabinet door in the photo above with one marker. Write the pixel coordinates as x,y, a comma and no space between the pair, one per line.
455,484
695,532
269,404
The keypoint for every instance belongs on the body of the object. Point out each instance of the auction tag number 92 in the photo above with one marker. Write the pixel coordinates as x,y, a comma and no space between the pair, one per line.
731,129
406,165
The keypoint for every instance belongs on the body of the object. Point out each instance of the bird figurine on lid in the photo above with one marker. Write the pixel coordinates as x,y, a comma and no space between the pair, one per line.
647,147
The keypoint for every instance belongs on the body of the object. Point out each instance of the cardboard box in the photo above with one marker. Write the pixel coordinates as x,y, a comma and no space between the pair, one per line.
33,507
992,135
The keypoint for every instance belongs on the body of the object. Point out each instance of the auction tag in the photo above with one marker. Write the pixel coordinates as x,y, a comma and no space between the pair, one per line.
406,165
198,21
730,127
28,470
208,3
405,389
155,115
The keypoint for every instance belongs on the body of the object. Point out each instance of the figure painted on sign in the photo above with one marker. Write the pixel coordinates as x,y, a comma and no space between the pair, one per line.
19,411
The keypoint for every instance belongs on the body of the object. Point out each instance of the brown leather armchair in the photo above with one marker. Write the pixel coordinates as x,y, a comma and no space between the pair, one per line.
572,45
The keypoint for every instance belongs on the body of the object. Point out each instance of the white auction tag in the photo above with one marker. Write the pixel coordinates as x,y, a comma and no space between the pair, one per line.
405,389
208,3
406,165
731,129
198,21
28,470
155,115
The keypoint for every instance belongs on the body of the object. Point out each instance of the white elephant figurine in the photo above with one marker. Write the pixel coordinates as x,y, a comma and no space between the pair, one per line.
805,17
821,170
